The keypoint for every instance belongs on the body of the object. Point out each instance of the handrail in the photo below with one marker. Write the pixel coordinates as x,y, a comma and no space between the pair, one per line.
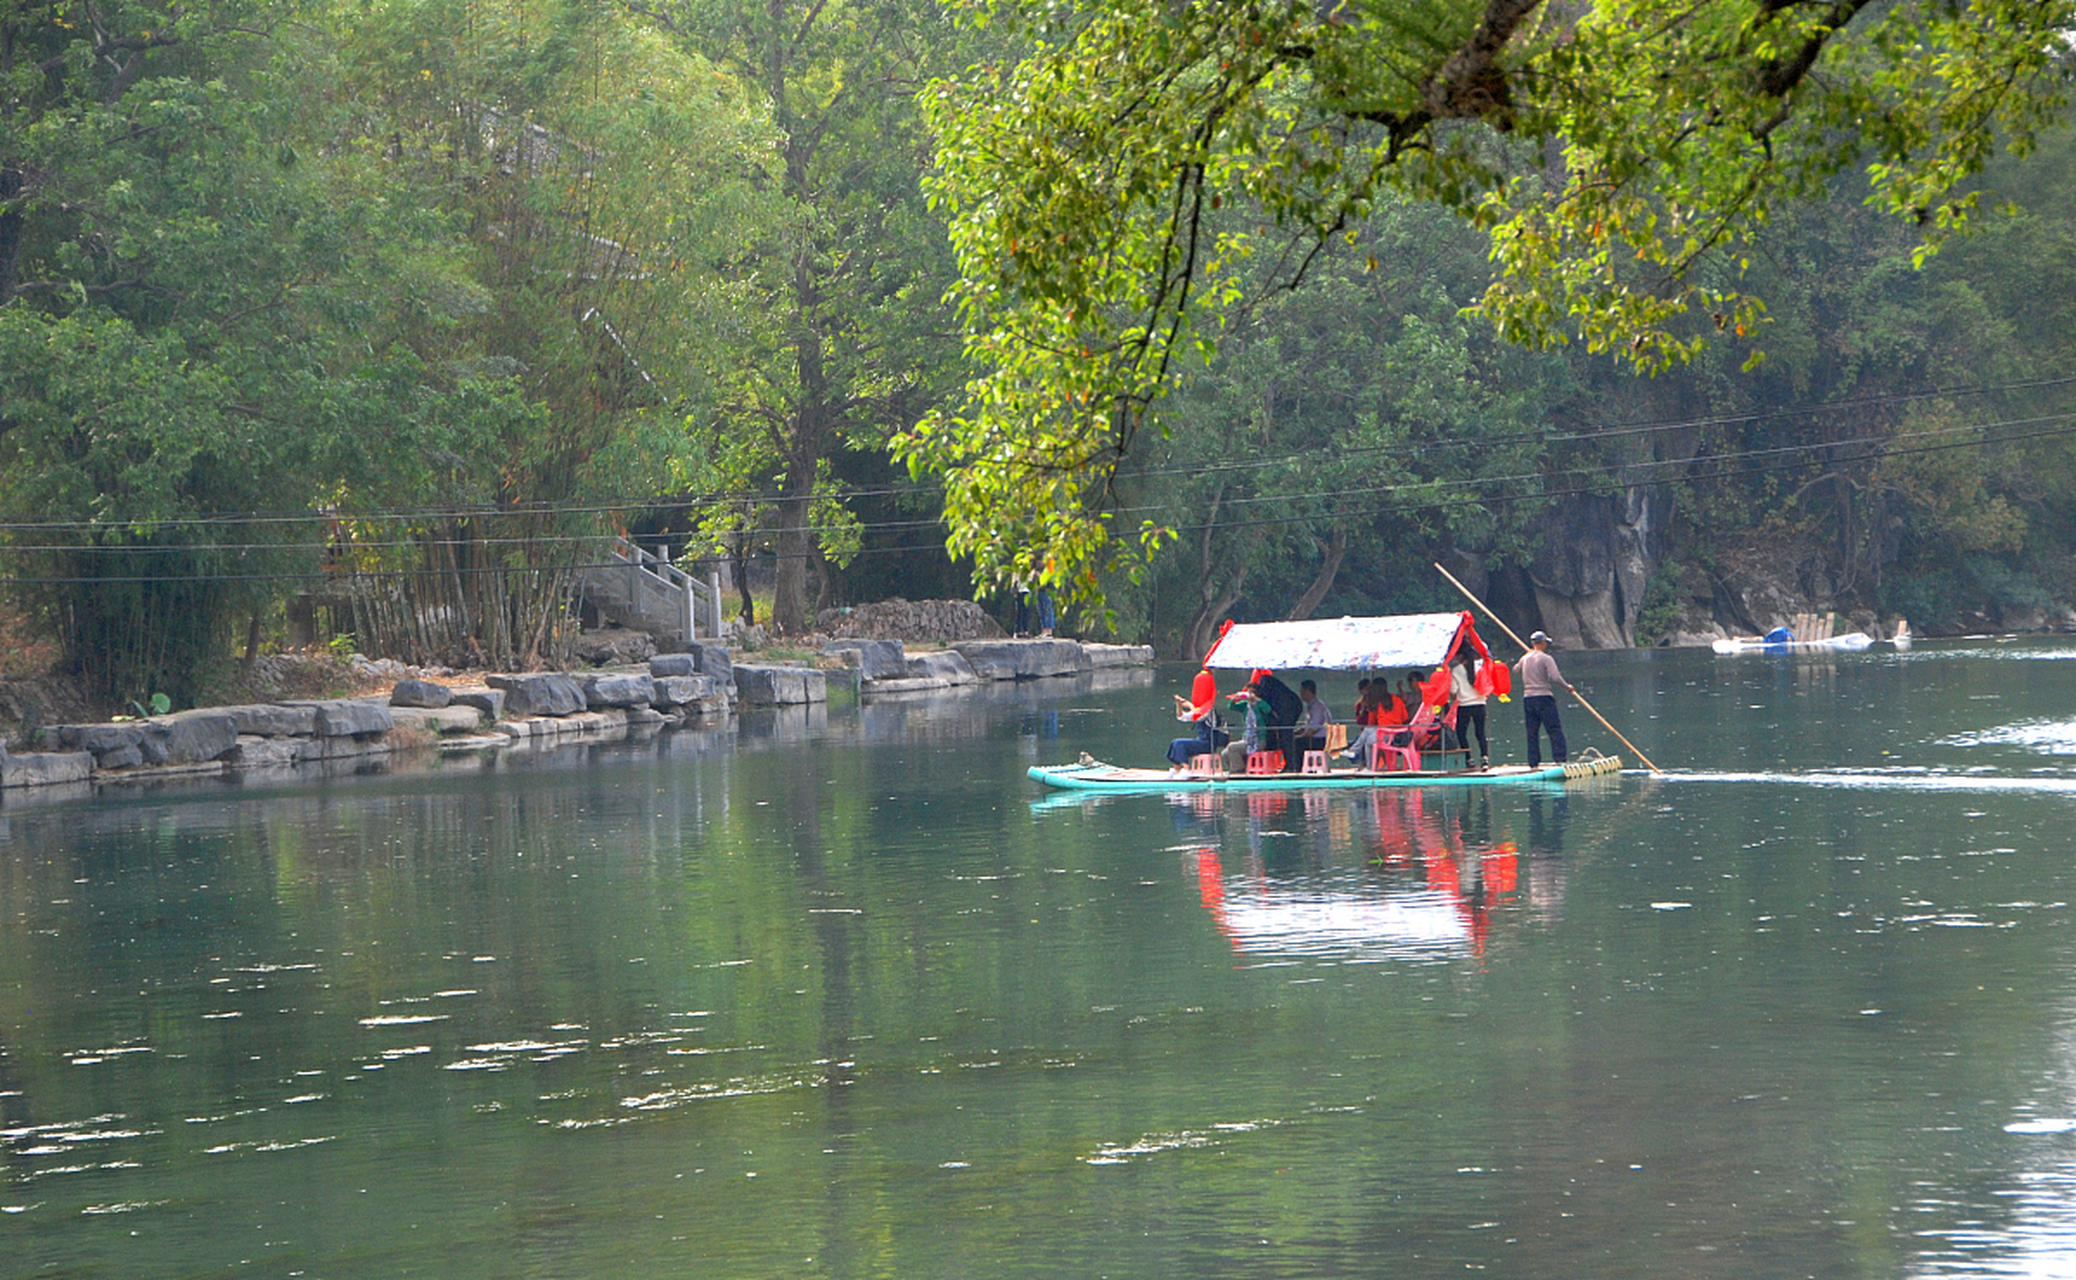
671,578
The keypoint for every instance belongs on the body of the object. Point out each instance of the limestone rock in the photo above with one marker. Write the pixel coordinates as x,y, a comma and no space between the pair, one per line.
948,665
273,720
681,691
1023,659
191,737
548,694
618,691
441,720
349,717
491,702
1104,657
420,693
121,758
907,684
779,686
256,752
715,660
877,659
96,738
668,665
45,768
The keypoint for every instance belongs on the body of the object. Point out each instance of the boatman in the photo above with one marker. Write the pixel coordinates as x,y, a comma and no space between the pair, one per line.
1539,684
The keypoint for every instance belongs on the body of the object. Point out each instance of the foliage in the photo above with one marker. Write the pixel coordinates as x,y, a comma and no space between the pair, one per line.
843,342
1623,157
416,254
1364,423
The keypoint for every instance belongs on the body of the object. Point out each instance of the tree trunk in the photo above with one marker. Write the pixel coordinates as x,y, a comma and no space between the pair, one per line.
1333,549
1203,625
795,544
740,555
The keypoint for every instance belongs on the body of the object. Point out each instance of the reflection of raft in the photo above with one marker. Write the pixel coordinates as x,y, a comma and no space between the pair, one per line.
1094,775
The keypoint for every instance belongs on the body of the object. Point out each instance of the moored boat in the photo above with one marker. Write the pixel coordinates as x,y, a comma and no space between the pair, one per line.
1850,642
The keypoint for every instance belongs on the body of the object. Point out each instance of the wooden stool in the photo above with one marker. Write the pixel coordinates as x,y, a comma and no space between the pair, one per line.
1316,762
1265,762
1207,765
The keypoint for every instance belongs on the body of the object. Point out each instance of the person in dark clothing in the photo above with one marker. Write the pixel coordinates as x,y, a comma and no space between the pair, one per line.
1285,711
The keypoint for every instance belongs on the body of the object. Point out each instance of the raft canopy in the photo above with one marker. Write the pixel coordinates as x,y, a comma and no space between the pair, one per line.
1409,641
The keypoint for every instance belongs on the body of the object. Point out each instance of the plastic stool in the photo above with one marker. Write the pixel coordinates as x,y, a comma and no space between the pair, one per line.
1207,765
1265,762
1316,762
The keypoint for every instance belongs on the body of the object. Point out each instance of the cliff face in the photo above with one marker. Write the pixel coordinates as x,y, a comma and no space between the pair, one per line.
1597,552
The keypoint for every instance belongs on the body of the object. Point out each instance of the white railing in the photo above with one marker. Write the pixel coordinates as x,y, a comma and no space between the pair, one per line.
660,589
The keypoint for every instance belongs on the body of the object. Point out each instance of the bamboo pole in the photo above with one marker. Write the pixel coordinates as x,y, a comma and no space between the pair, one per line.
1524,648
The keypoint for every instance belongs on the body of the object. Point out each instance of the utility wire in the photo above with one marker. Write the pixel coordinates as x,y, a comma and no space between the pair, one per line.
719,500
1699,468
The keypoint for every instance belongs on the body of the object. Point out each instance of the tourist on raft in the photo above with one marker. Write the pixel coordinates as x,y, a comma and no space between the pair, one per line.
1539,684
1470,706
1284,711
1317,716
1378,708
1201,707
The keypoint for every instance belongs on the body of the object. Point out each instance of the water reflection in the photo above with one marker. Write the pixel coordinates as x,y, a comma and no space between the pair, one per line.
1363,878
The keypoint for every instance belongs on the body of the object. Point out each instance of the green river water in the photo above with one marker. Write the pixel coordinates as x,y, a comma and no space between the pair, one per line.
845,995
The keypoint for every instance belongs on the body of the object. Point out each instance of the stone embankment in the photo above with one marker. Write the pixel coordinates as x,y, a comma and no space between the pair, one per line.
507,709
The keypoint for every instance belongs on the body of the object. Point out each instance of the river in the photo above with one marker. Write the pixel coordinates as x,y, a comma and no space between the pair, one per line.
847,996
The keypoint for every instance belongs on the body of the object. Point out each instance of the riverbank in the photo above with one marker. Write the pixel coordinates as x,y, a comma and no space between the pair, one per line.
505,711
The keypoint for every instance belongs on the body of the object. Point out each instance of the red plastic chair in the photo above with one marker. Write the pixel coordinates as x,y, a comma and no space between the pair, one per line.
1397,746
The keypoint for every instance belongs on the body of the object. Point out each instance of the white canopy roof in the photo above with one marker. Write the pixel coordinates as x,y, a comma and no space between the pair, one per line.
1408,640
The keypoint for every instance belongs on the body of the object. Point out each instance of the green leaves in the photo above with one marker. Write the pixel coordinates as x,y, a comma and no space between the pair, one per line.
1616,156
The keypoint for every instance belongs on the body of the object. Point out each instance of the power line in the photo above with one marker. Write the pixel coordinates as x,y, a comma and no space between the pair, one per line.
718,499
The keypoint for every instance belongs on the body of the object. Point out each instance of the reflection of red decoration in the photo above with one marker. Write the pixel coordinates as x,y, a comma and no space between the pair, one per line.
1502,869
1266,804
1211,890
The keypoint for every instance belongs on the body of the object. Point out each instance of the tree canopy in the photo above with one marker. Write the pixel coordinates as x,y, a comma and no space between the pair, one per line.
1623,158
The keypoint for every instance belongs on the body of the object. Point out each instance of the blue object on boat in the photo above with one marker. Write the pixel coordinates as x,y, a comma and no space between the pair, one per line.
1780,635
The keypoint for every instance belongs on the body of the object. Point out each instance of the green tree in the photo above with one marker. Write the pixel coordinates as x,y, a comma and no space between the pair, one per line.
170,272
850,342
1623,158
1358,424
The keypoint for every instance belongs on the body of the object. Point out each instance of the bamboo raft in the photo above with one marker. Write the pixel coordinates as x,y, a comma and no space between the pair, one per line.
1094,775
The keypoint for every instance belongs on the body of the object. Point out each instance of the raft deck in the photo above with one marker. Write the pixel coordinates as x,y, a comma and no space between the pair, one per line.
1095,775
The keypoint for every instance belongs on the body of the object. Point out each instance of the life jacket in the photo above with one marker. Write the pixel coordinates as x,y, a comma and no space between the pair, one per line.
1495,680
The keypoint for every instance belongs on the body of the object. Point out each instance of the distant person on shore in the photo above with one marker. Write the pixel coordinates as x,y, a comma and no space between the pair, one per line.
1539,684
1023,611
1044,605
